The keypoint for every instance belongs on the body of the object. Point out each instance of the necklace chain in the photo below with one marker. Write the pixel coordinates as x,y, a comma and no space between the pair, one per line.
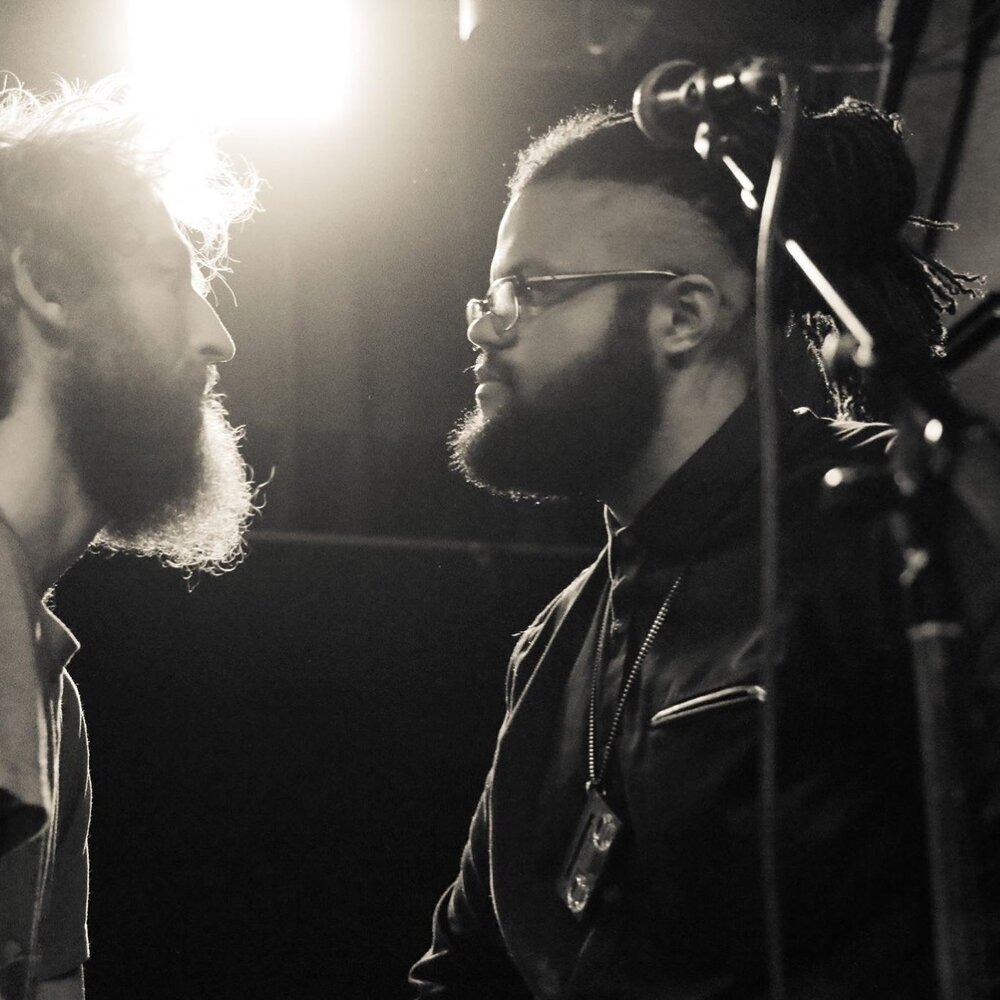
597,776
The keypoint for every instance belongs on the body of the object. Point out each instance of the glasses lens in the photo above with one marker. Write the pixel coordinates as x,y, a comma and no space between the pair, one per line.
501,300
500,303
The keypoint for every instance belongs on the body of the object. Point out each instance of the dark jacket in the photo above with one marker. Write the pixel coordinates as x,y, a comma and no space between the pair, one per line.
681,909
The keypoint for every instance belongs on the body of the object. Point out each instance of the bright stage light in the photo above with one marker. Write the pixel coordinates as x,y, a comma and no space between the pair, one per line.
229,63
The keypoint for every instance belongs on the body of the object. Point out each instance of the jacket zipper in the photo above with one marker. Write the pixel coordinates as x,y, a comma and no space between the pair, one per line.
713,699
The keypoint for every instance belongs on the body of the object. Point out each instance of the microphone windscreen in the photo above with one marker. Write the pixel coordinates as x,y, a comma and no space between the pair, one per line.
666,102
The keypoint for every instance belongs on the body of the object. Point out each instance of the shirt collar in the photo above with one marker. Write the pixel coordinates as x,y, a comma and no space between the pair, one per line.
55,638
61,644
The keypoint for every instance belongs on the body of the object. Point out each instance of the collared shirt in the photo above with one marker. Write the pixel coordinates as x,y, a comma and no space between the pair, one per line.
44,787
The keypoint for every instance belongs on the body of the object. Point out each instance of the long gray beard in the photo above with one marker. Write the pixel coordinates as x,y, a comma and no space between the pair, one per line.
205,532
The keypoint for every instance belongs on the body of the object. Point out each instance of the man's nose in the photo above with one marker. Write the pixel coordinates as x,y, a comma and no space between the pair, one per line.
209,337
484,333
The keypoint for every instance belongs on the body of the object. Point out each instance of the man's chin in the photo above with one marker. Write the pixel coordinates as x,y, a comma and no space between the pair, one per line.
489,453
204,531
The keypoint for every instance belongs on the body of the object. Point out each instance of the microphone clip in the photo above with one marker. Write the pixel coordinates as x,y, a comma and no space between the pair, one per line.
675,98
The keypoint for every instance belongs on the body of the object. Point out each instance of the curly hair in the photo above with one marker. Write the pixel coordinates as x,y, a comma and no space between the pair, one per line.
851,189
73,163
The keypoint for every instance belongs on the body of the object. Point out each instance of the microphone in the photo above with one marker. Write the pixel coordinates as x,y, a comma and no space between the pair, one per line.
672,99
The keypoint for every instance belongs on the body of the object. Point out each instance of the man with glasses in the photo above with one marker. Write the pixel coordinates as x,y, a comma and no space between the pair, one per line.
615,852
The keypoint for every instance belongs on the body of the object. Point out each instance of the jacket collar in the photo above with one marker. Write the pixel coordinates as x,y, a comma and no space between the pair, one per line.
59,644
707,496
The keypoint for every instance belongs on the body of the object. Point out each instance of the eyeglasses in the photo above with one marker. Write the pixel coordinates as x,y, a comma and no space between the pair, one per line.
504,297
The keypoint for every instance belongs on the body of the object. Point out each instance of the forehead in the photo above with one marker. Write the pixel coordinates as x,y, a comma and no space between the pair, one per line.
150,233
572,225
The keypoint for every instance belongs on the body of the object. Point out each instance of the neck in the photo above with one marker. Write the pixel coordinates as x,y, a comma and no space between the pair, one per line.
40,497
694,408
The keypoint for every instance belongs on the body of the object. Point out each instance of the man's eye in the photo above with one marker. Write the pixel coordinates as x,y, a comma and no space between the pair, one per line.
546,293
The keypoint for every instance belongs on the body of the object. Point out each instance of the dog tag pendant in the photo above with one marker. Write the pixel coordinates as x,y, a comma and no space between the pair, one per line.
588,853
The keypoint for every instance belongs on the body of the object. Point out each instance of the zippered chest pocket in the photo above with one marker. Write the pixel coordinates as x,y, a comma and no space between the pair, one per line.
710,701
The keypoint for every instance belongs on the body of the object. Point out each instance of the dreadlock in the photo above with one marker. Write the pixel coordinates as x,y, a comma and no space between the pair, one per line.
851,190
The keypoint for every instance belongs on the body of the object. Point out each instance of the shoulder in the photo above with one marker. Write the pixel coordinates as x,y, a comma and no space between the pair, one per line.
816,510
544,624
839,531
74,755
814,445
851,440
556,609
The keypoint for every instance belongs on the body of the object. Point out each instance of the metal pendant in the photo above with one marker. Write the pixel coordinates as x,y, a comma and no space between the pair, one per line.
588,853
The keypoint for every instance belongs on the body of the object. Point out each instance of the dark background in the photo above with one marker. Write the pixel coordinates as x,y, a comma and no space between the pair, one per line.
285,758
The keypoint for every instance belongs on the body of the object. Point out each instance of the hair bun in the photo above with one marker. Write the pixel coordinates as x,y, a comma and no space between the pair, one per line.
850,172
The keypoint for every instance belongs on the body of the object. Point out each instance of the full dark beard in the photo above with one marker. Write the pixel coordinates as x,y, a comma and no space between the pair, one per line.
153,451
582,432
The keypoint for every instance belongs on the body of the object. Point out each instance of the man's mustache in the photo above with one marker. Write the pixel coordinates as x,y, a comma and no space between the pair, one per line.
491,369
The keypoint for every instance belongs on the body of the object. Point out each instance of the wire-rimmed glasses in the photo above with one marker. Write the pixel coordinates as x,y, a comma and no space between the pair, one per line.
503,298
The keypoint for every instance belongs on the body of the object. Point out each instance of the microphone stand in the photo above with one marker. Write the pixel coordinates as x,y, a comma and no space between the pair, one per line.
925,469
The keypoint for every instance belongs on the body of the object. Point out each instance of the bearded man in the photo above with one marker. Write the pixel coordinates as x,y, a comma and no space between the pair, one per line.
111,436
615,852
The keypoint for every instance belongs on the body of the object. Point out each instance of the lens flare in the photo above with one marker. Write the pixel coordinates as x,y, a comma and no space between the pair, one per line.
243,63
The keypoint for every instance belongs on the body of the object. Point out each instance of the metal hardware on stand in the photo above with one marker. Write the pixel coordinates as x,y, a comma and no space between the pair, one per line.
913,491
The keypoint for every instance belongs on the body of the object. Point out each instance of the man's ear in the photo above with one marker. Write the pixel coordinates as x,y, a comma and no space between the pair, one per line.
45,307
684,314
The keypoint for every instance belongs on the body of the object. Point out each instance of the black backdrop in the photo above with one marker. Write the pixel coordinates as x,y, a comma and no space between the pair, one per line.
285,759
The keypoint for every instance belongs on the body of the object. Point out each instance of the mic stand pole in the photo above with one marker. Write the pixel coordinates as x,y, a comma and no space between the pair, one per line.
920,466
